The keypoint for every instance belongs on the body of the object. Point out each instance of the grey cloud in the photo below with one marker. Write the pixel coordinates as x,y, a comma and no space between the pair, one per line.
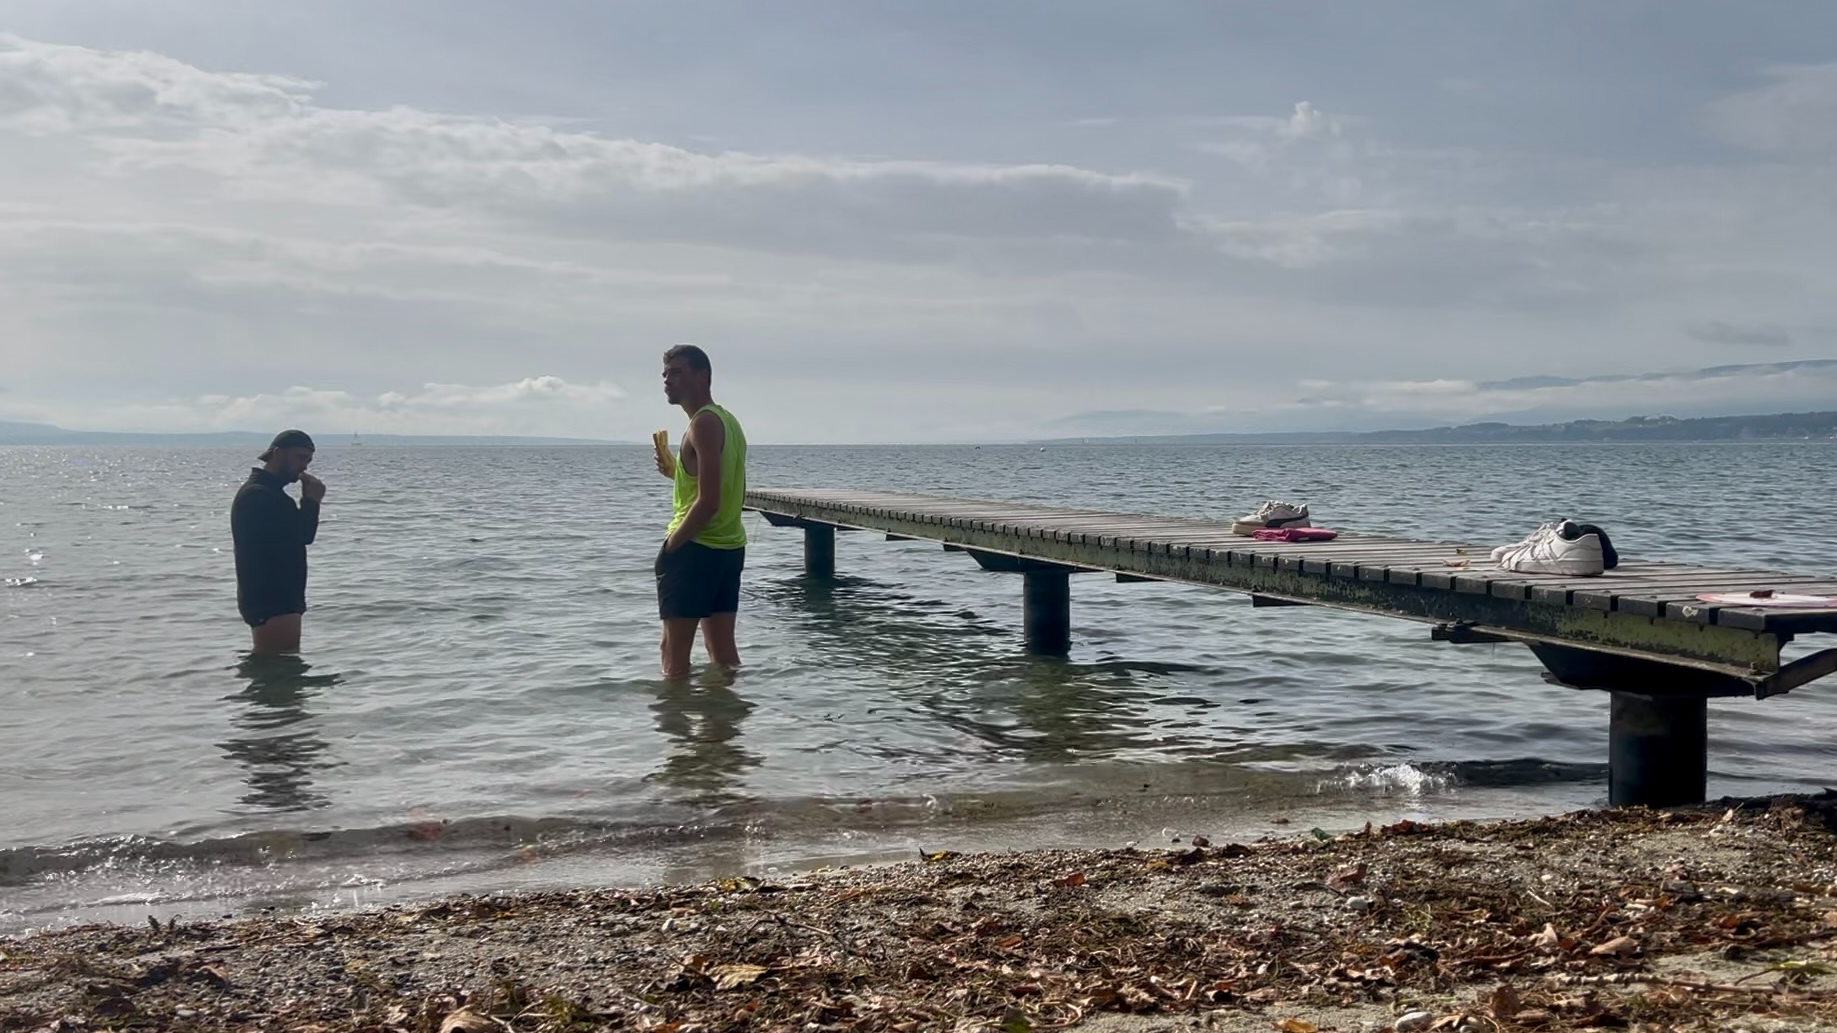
1795,111
49,88
1392,258
1815,367
171,229
1719,332
265,136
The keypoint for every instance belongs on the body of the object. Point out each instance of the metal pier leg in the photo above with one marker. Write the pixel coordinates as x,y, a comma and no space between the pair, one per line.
1657,743
1047,611
1658,750
819,552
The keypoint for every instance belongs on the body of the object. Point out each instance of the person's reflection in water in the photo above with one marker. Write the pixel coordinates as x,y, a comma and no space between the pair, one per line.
280,757
703,718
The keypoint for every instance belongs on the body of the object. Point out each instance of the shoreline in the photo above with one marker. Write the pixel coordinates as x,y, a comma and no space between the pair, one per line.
295,871
1721,917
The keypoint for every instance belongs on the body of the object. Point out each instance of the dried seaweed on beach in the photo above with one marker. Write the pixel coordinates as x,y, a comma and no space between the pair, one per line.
1722,917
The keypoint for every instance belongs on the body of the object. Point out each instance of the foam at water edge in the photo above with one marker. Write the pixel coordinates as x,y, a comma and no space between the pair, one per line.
1405,779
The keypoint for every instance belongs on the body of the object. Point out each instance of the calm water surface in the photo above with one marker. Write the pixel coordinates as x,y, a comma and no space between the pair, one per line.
478,708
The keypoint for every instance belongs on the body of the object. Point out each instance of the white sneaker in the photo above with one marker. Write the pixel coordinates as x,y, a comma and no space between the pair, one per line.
1271,514
1546,551
1560,528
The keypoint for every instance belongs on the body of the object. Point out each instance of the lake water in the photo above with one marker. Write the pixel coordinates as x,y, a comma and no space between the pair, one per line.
478,705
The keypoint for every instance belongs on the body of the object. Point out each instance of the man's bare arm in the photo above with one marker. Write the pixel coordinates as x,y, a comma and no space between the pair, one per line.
708,435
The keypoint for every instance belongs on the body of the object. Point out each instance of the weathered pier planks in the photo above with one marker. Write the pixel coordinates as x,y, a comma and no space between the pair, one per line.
1638,631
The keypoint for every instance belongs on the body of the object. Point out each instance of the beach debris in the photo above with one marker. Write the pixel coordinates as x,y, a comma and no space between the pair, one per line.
1556,925
727,977
1176,859
466,1020
1347,877
114,1006
1801,970
1505,1002
1616,946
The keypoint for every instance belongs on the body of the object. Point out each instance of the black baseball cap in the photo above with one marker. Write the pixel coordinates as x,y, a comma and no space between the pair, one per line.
286,439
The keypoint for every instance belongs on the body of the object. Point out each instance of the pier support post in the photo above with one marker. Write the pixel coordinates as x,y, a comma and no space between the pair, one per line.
1657,749
1657,742
1047,611
1046,598
819,551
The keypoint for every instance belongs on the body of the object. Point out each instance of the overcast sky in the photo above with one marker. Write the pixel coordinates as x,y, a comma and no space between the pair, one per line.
922,220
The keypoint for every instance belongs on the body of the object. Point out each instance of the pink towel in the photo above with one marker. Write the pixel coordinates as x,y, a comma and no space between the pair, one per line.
1294,534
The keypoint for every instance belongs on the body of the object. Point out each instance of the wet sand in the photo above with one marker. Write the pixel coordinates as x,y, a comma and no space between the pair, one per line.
1715,918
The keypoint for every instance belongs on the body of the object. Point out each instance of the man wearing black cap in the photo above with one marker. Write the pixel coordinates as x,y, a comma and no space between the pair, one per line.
271,535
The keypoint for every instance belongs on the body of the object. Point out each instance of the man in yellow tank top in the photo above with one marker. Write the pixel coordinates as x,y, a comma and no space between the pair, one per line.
704,549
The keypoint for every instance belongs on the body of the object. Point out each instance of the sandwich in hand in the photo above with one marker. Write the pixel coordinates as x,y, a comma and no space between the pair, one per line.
666,462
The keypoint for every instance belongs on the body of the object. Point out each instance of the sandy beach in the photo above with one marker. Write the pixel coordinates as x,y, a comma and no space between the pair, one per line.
1722,917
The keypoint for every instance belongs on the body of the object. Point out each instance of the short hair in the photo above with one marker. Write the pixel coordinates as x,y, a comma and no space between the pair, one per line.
694,356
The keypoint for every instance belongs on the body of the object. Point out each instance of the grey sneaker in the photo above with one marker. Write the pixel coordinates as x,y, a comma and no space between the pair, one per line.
1271,514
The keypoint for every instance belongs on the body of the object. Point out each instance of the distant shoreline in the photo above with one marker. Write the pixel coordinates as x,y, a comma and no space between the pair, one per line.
1274,441
1805,426
1773,427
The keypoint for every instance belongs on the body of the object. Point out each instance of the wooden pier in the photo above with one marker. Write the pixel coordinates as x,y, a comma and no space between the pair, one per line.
1638,631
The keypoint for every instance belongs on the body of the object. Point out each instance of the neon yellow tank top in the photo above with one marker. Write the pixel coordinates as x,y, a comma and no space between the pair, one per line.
725,531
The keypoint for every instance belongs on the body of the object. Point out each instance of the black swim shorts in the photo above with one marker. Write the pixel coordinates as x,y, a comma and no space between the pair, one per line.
256,614
696,581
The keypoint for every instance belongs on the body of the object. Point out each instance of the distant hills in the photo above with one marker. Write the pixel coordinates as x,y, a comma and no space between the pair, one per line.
1358,407
1774,427
12,433
1768,427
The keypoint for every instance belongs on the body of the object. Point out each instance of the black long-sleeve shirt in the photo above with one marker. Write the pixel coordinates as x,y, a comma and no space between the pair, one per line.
271,534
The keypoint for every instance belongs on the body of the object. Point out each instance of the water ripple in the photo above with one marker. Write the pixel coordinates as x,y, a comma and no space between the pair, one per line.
482,643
